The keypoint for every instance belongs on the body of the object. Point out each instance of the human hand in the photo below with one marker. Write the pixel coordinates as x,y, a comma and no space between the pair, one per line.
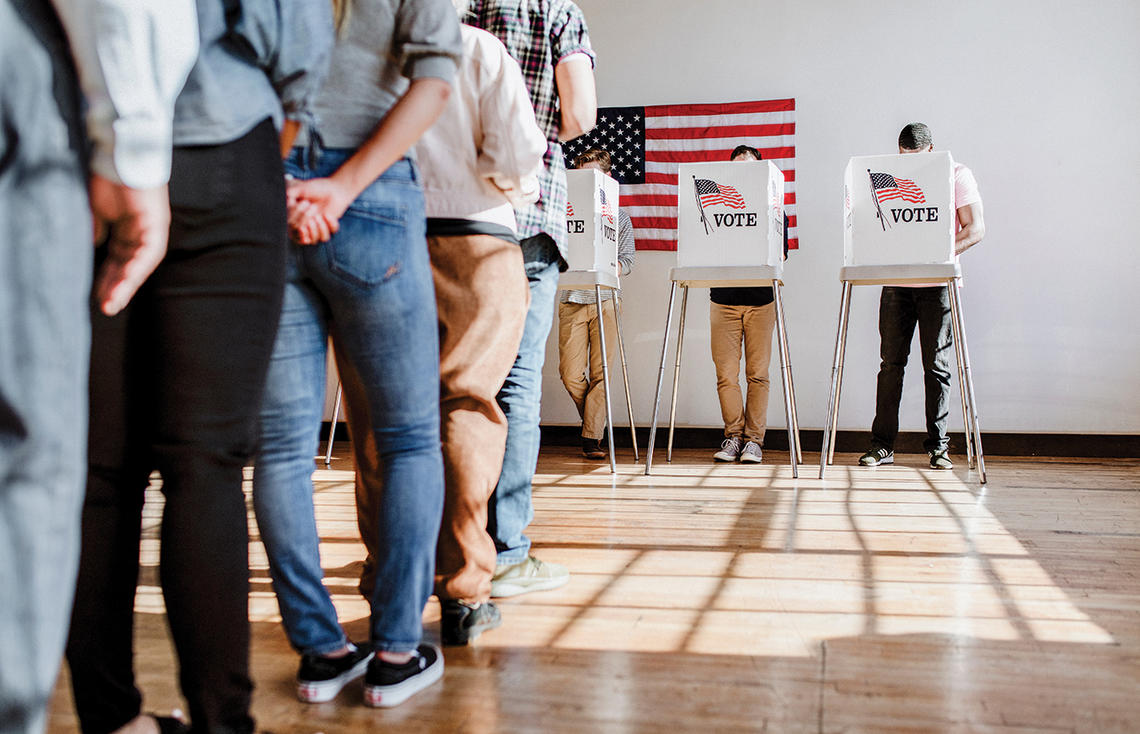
315,208
138,222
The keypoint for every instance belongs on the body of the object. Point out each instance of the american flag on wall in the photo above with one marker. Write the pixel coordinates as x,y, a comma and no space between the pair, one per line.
647,143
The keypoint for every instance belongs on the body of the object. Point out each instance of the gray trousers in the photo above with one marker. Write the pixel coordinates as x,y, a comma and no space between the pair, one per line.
45,273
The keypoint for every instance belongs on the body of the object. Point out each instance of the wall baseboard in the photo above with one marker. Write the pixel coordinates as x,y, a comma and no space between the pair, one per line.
1084,445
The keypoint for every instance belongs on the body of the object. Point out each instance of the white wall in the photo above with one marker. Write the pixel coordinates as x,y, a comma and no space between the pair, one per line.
1039,98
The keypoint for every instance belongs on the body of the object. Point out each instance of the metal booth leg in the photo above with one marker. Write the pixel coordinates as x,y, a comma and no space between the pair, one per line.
785,376
660,380
625,375
839,383
677,372
956,304
332,426
966,424
791,381
833,395
605,376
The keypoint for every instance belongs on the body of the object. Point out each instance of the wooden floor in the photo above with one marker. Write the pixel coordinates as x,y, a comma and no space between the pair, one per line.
732,598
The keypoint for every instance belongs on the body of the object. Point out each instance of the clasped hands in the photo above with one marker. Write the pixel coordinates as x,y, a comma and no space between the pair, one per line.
315,208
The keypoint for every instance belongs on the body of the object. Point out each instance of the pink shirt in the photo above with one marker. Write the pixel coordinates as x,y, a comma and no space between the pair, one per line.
965,193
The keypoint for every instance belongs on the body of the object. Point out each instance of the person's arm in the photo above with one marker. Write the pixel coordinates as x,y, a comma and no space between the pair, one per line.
510,153
973,227
577,95
329,198
132,57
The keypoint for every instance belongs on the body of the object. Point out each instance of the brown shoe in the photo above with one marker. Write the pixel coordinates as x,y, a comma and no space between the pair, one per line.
592,448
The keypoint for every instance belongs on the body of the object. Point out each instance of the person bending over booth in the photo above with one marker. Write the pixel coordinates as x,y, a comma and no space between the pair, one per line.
579,345
901,307
743,316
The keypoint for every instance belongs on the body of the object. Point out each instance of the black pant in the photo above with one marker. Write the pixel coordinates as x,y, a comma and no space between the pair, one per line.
176,382
899,310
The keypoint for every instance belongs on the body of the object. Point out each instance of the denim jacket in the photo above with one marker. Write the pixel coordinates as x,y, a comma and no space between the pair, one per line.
258,59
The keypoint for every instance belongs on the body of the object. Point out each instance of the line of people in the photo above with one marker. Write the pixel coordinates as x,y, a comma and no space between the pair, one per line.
267,175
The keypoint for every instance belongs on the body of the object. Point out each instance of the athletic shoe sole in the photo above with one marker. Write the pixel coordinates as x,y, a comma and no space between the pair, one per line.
500,589
718,456
322,691
888,460
746,459
394,695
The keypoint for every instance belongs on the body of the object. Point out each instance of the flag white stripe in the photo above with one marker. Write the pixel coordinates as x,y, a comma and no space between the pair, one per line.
714,121
770,141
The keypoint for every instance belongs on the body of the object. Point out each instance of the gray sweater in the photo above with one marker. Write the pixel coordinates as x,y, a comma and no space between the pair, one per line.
386,43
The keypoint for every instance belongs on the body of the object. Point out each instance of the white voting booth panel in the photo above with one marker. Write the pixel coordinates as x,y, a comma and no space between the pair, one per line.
899,209
592,221
730,213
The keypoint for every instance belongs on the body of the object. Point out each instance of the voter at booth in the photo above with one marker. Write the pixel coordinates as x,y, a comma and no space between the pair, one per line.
743,316
579,347
901,308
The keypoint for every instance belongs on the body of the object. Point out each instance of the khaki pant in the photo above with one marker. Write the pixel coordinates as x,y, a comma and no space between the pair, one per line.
580,360
729,326
482,297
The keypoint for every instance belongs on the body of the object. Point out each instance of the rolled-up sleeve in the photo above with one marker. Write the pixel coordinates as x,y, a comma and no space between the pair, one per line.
569,35
428,43
133,57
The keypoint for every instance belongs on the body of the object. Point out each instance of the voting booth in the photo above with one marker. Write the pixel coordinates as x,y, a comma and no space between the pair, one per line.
899,225
730,214
592,246
592,221
899,209
730,232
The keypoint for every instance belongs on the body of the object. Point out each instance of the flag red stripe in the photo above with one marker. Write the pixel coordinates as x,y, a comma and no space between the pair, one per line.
656,244
731,108
653,223
656,177
704,156
720,131
669,200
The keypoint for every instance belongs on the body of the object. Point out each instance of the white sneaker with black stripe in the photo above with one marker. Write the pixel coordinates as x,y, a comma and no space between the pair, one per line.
390,684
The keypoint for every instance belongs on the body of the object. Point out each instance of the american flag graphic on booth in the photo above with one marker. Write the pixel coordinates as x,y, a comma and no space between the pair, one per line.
888,187
711,193
607,210
569,209
646,144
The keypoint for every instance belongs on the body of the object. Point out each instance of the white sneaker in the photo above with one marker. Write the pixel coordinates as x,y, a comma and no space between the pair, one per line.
729,449
525,576
751,453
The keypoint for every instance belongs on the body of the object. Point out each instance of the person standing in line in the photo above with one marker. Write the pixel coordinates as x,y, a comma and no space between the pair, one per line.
176,377
482,156
579,345
901,308
51,188
550,41
743,316
360,273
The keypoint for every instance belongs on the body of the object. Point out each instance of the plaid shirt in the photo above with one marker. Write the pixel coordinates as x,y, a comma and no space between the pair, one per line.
539,34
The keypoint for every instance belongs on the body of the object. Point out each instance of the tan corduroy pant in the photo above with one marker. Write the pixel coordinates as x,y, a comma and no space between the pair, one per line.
482,297
580,360
730,326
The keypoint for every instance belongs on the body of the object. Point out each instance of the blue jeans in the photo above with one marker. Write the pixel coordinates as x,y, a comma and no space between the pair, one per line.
510,510
45,278
370,288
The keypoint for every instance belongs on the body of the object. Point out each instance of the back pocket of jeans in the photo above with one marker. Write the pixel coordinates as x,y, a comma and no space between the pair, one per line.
371,245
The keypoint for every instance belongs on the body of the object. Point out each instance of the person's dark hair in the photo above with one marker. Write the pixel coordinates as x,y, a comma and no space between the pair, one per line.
745,150
915,136
594,155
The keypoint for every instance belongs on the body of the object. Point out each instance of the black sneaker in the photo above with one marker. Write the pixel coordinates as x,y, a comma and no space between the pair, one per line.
389,684
941,460
875,457
459,622
592,448
321,678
